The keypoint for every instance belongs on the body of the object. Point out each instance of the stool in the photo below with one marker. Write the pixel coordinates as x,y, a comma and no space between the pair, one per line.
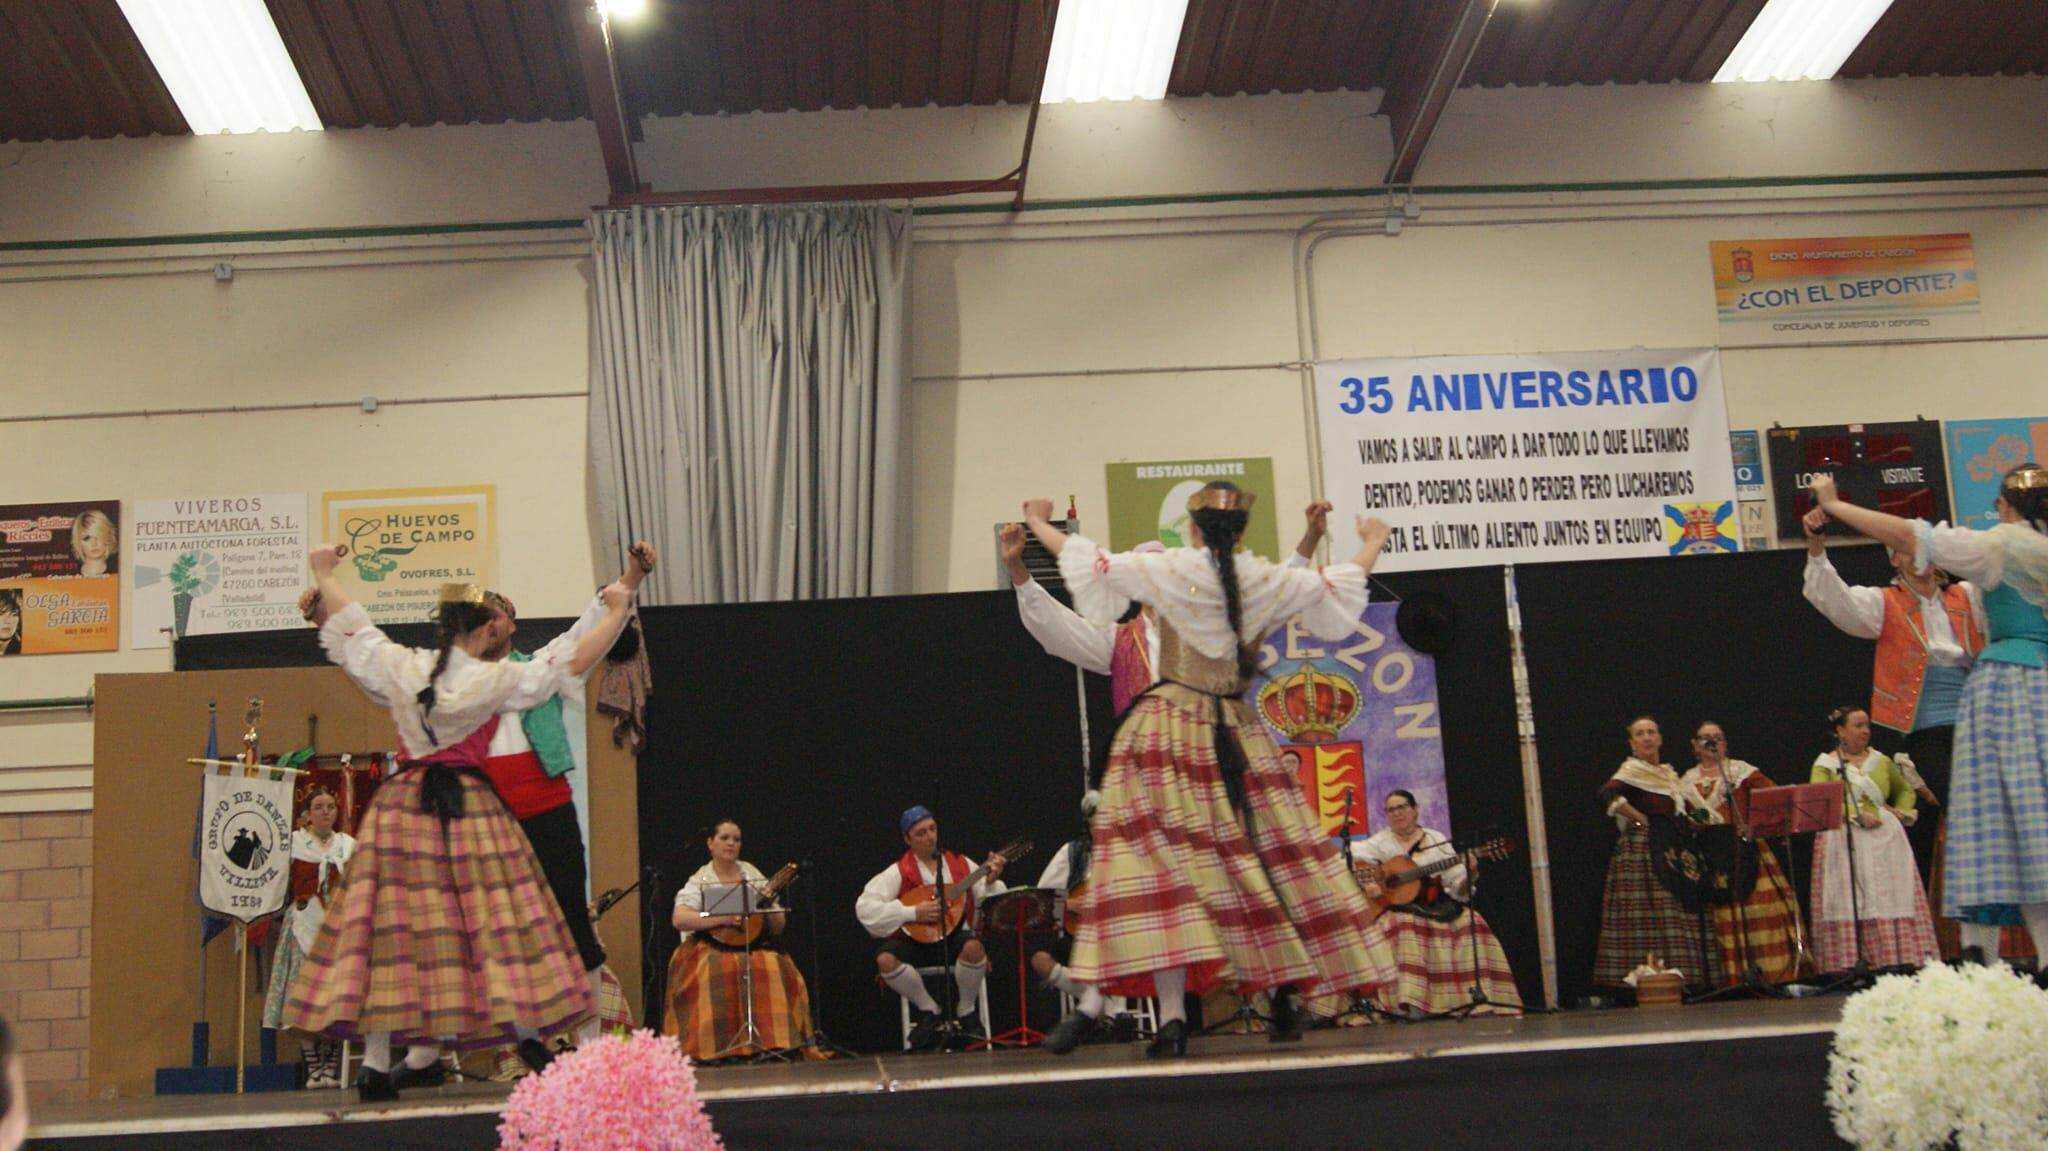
927,974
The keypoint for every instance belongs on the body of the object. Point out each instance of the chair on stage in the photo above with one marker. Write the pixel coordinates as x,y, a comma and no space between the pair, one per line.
929,975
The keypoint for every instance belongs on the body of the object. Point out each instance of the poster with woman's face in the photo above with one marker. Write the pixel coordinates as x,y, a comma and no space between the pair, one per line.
60,582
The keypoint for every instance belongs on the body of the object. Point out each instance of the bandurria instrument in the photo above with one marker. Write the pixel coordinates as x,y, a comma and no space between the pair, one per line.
749,930
955,908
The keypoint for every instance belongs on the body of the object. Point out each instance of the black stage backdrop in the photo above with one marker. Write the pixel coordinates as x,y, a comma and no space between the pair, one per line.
814,724
1728,638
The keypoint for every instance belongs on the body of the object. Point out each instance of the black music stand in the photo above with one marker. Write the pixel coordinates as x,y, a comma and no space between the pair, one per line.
1798,809
742,900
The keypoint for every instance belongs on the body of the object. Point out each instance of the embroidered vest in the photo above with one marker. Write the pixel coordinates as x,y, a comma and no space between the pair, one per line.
1902,652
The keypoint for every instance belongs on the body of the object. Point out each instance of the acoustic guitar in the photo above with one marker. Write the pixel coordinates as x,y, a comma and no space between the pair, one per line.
955,909
1401,879
747,932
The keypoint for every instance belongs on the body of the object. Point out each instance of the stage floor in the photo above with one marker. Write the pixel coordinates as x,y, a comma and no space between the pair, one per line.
1576,1044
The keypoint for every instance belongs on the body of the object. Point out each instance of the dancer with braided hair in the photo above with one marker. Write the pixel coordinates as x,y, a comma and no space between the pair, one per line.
1208,868
446,931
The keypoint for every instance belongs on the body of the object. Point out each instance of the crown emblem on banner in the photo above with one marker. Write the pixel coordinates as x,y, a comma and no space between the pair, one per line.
1309,706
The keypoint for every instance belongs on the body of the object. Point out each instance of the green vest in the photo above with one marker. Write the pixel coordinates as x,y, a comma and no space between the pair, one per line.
546,731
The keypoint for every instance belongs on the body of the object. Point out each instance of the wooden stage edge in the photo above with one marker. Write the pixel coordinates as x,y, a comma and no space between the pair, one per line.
1329,1049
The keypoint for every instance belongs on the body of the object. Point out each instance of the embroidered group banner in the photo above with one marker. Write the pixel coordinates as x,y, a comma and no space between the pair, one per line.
1149,501
246,855
1356,715
404,543
60,581
1530,458
211,564
1980,452
1837,288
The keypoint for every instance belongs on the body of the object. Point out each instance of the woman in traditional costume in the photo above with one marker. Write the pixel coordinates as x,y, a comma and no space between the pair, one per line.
1640,913
707,1006
1887,910
1761,931
1434,944
1996,868
1208,868
446,931
319,855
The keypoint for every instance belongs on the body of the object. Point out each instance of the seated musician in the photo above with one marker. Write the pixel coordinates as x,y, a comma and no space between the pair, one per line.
882,912
1067,871
707,1005
1431,936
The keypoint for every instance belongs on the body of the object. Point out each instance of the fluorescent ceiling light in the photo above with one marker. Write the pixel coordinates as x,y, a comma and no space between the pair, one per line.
224,64
1801,39
1112,50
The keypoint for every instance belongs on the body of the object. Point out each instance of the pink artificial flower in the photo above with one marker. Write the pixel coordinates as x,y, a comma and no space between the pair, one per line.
630,1093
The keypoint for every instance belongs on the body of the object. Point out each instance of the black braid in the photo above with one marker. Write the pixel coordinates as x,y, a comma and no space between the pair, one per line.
1220,533
456,621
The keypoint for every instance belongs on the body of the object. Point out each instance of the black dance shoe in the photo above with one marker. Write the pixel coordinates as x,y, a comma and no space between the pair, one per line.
375,1086
1171,1041
432,1075
1071,1032
926,1030
1289,1020
535,1055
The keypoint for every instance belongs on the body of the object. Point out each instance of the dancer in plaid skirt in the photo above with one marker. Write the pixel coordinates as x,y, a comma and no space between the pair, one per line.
1996,869
446,931
1208,867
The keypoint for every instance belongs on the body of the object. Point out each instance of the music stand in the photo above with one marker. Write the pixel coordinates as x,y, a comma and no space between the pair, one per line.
1015,912
741,899
1796,809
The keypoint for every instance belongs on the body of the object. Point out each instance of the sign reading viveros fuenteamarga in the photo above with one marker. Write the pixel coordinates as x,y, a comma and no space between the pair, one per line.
1531,458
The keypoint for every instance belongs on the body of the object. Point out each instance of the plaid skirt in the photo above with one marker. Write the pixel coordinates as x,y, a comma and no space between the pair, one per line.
1897,941
2013,940
440,937
1435,964
1179,879
1639,918
1998,795
1772,915
707,1000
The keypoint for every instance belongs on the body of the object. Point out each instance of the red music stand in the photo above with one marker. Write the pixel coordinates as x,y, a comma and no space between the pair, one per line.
1016,912
1793,810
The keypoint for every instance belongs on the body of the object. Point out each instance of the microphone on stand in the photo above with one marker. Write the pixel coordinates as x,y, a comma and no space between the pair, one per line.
606,901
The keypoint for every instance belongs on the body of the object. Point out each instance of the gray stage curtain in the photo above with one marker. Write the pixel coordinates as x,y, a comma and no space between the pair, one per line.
746,398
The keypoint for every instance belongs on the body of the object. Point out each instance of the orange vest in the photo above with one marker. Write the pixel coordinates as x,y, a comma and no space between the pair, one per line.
1902,652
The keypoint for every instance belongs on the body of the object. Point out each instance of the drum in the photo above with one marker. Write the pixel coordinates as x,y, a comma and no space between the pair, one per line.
1024,909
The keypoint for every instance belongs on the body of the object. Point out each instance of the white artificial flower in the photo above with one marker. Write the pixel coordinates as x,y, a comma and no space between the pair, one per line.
1942,1058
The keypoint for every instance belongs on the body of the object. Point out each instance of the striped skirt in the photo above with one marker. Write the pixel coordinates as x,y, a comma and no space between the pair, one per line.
1997,853
1435,964
1179,879
284,967
707,1000
1639,918
1772,915
440,938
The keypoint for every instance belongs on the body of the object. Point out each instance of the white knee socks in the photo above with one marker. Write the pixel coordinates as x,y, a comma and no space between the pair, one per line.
377,1051
967,977
419,1057
905,981
2036,915
1982,936
1172,988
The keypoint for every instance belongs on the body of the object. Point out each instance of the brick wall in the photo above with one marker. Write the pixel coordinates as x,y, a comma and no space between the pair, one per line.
46,947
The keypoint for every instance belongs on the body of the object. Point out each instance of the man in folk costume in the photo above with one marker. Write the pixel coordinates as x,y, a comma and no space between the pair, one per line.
1928,635
529,763
881,911
1067,872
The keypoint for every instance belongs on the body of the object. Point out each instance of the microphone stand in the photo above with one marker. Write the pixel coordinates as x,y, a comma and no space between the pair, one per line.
1752,985
818,1039
1360,1005
1479,998
1859,976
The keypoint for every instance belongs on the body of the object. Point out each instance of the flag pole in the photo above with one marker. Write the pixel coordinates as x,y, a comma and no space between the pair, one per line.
241,1004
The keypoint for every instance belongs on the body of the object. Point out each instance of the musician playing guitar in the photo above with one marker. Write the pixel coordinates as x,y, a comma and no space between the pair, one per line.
887,917
722,957
1431,935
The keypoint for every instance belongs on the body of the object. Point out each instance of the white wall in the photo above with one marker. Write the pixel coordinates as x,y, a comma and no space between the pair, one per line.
1044,345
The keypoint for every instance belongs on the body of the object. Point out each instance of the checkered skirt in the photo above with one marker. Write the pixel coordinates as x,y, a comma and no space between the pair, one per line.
1903,941
1176,881
1435,964
1639,918
2013,940
707,1000
1998,795
1772,915
451,940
